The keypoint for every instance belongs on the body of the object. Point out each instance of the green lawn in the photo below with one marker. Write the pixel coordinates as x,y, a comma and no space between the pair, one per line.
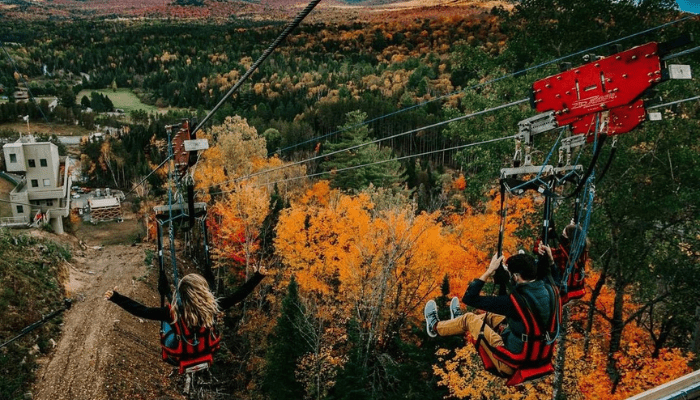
121,98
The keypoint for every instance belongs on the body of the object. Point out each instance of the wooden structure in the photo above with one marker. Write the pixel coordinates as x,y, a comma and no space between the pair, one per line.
105,209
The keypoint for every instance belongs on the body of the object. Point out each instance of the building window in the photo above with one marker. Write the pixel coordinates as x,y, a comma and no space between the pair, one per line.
20,210
49,203
43,162
47,182
35,183
31,163
13,158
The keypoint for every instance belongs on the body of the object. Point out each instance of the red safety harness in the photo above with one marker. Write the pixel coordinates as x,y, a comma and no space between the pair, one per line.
576,278
192,347
535,360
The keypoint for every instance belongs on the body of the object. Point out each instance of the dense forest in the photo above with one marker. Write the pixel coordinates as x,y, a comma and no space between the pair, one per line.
354,255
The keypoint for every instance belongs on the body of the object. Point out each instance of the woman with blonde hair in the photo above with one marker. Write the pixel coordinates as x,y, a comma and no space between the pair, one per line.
188,335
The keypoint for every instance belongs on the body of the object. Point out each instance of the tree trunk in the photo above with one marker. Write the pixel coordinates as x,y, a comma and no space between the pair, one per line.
592,307
617,324
561,357
695,344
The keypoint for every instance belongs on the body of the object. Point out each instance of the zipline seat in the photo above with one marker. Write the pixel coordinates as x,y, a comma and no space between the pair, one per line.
535,360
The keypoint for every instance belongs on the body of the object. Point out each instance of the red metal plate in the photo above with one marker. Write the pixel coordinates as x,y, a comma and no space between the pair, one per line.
620,120
181,156
602,85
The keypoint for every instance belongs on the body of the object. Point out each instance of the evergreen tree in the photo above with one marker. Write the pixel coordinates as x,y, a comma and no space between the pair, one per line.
387,174
286,346
353,378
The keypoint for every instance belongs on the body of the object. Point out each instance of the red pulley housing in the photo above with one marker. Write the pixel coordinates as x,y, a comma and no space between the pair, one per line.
613,84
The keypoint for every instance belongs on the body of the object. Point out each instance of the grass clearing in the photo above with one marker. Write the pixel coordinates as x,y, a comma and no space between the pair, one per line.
51,129
111,232
121,98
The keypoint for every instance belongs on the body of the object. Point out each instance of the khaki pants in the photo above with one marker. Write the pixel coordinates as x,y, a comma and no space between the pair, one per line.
471,323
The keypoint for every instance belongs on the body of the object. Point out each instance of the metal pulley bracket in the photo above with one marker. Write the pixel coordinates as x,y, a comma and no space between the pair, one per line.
539,123
573,142
613,84
545,170
567,168
568,173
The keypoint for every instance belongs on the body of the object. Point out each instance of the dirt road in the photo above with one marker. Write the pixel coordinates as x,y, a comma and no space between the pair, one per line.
104,352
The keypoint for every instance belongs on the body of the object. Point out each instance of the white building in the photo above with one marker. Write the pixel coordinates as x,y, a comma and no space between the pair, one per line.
45,188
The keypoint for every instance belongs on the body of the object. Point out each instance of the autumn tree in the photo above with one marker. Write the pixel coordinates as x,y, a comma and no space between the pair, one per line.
369,256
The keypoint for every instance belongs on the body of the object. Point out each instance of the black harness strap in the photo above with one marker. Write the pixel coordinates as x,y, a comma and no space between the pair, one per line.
591,166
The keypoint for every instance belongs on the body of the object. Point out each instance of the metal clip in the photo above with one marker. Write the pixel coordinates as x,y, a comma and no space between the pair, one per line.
518,153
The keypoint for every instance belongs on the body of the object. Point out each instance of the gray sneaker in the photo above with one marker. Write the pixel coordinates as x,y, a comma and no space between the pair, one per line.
455,311
431,317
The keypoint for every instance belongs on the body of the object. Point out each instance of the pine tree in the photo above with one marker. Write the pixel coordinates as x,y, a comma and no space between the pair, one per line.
353,379
387,174
286,346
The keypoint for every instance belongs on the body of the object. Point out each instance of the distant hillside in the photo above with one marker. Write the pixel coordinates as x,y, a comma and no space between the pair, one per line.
221,10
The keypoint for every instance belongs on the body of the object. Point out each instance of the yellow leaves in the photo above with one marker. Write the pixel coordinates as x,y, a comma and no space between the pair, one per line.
338,242
239,146
167,57
240,216
462,373
246,62
460,183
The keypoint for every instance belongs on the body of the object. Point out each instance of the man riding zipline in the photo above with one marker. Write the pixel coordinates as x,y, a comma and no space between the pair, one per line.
515,335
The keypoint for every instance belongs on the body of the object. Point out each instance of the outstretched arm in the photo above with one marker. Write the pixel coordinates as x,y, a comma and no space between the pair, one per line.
138,309
242,292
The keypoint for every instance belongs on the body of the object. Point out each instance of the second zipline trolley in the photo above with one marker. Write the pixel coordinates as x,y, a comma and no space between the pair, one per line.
604,97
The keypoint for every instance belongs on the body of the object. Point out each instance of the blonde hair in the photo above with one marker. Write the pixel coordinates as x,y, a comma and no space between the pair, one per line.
572,230
194,302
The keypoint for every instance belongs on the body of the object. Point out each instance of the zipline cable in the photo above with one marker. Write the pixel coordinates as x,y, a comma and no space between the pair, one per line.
379,162
149,175
673,103
419,129
681,53
522,71
44,319
502,106
406,109
293,24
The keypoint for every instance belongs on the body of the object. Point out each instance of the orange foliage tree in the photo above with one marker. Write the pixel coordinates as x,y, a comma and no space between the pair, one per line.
476,233
236,175
371,257
367,257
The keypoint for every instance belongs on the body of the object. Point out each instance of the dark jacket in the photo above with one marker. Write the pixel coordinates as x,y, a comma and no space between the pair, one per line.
536,294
